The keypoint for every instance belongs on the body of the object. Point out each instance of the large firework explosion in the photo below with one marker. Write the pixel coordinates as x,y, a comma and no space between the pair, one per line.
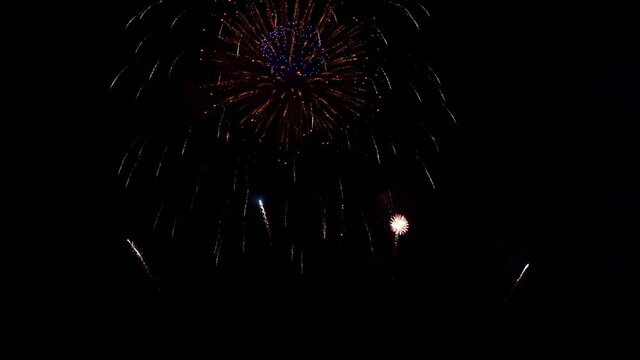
277,131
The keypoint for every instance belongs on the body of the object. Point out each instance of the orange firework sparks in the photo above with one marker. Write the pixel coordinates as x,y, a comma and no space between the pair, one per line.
289,69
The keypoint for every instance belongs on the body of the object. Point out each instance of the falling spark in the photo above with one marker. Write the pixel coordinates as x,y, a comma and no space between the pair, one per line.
452,116
366,227
515,285
382,36
173,228
155,223
131,21
140,91
140,44
286,213
375,88
425,10
224,110
294,170
176,19
118,77
434,74
138,254
195,194
386,77
324,224
135,165
173,64
186,140
148,8
164,153
435,142
216,249
426,170
375,145
410,16
265,219
521,274
416,92
154,69
244,217
126,155
390,202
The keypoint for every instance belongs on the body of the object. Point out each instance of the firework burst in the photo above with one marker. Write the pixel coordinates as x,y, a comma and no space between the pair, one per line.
287,69
298,102
399,225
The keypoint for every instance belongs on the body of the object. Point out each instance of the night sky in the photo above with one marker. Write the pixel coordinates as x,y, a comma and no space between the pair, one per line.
540,170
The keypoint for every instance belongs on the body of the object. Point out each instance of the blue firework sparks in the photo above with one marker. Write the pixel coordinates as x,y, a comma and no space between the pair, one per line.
293,51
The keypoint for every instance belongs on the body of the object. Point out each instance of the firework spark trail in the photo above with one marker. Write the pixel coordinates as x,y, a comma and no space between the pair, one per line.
154,69
217,247
113,83
155,223
416,92
234,183
324,223
141,43
241,38
195,194
375,87
244,216
224,111
265,219
186,140
390,201
341,206
175,20
425,10
366,227
173,64
515,285
145,11
173,228
387,78
164,153
435,75
131,21
135,164
384,38
442,97
426,170
452,116
126,155
375,145
286,213
293,169
435,142
406,10
138,254
139,93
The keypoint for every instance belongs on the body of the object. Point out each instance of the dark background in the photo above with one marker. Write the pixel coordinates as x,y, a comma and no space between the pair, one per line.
541,170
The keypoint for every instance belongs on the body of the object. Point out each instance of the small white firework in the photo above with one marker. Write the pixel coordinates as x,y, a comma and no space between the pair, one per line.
399,224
